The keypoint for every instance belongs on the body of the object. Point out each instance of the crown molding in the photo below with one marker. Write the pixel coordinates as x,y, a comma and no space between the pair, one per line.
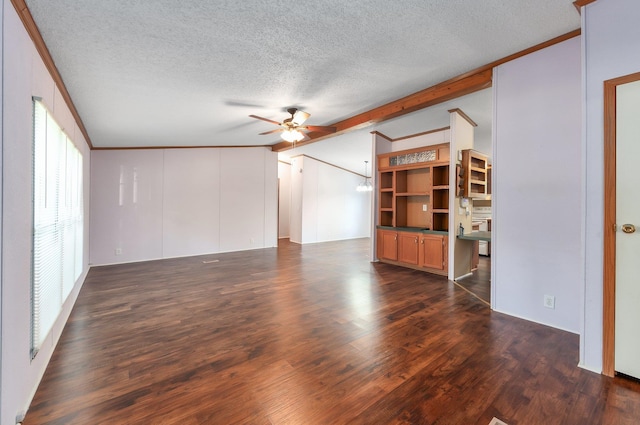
581,3
32,29
463,115
410,136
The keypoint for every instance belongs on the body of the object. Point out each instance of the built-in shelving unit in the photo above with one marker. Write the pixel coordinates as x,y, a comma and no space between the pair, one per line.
413,208
414,188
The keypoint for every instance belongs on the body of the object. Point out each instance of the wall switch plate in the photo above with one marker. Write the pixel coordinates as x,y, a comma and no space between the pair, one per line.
118,251
550,301
424,207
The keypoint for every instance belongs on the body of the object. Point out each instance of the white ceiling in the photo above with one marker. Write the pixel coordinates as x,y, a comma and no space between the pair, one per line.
179,72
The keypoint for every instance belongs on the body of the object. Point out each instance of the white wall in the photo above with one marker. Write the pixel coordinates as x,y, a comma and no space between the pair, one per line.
325,205
190,208
297,198
24,76
118,221
161,203
1,160
459,257
284,199
611,40
537,186
429,139
248,199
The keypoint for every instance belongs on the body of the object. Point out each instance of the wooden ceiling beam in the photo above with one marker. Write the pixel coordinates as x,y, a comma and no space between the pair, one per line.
469,82
439,93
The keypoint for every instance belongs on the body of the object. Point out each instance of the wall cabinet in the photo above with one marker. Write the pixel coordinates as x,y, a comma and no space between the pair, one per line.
475,177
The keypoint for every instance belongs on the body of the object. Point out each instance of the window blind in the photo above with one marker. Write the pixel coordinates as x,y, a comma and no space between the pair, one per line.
58,230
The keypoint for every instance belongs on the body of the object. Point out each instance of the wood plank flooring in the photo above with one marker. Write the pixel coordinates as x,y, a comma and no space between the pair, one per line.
312,334
479,282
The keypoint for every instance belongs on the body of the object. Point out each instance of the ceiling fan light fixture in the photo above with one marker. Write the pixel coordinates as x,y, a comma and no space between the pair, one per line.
292,136
290,127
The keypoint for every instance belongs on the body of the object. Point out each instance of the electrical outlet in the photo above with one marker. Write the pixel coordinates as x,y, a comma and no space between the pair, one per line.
118,251
550,301
424,207
251,241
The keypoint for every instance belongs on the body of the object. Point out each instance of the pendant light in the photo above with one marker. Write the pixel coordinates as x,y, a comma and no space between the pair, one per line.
365,185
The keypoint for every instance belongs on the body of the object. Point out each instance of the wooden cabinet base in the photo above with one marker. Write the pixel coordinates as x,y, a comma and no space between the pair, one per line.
411,266
416,250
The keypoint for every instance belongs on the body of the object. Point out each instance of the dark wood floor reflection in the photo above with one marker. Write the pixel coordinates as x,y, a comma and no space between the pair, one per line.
479,282
311,334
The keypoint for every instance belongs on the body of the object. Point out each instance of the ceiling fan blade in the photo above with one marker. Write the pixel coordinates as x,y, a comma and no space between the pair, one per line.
321,128
299,117
265,119
270,132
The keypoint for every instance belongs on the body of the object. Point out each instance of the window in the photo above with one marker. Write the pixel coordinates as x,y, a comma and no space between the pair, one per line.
57,222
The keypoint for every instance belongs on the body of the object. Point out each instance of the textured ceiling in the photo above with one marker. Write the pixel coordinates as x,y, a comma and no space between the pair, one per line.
181,72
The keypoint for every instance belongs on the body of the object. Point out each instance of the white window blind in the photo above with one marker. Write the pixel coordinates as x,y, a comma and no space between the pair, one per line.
57,222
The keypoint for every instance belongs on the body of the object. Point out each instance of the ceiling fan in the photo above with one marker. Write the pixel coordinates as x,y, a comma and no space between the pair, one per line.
291,127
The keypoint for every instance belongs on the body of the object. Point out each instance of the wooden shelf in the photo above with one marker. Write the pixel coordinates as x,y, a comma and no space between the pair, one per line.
416,180
440,221
385,181
413,194
386,218
440,199
386,200
440,175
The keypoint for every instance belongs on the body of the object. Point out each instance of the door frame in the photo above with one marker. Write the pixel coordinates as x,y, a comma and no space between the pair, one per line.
609,270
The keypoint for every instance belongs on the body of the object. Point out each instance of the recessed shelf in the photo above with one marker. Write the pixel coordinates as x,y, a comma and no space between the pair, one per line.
386,180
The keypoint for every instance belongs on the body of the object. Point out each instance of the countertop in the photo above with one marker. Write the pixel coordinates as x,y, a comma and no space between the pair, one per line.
414,230
476,236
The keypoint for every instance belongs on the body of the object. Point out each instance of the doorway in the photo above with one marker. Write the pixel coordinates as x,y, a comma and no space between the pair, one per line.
621,293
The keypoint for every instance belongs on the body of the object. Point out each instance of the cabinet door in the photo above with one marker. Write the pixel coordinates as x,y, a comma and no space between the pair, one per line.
408,248
432,252
388,245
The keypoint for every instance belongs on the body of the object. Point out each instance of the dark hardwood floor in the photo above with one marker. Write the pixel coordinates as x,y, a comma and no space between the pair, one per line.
312,334
479,283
